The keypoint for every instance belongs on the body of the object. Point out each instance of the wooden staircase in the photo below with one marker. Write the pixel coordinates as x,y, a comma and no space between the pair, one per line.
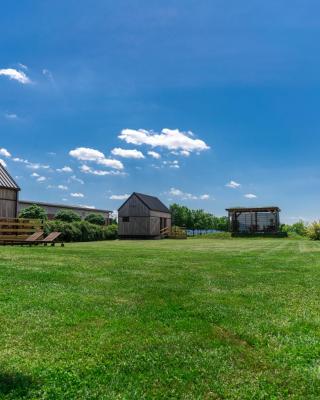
175,232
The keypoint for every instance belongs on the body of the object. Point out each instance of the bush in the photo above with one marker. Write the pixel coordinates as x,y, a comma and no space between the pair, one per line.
96,219
33,212
67,216
313,230
81,231
297,229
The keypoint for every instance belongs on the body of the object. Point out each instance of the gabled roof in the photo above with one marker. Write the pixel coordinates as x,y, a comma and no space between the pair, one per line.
151,202
6,180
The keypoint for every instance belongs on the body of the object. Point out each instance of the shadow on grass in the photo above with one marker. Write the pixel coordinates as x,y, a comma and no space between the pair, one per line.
15,383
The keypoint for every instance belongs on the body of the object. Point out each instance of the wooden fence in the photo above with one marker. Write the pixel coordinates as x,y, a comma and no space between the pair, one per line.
12,229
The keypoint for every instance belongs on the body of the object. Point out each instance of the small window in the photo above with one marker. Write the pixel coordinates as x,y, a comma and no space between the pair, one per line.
125,219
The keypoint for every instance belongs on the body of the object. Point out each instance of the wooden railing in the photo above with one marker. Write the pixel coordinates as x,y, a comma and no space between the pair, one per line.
175,232
18,228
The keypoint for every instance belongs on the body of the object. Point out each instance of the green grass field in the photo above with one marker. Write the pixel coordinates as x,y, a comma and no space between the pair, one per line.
189,319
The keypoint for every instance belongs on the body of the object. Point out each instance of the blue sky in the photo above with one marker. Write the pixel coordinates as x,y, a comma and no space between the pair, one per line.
225,95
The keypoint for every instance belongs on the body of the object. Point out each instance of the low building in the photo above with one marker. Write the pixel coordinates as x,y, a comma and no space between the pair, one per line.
9,194
258,220
142,217
52,209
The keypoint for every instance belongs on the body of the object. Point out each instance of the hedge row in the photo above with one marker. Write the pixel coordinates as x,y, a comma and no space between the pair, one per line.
81,231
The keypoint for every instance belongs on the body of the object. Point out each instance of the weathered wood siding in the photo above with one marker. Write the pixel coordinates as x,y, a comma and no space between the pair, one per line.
137,226
8,203
134,208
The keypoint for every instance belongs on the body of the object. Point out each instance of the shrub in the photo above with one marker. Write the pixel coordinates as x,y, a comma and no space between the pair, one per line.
313,230
111,232
67,216
81,231
33,212
96,219
299,228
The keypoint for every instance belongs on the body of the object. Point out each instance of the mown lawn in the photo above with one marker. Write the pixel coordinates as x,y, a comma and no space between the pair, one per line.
193,319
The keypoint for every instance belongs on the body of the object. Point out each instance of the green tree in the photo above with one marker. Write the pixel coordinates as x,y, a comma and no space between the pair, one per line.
96,219
67,216
33,212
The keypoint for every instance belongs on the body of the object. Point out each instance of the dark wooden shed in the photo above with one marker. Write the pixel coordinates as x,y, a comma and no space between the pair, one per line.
142,217
257,220
9,193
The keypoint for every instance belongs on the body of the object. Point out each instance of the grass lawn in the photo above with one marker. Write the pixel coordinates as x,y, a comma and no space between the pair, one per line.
189,319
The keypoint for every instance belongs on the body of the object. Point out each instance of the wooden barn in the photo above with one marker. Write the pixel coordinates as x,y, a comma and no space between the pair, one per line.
9,194
143,217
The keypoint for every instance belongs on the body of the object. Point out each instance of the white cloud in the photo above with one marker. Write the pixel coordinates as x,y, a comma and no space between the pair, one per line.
34,175
233,185
87,154
76,179
37,165
187,196
88,170
11,116
4,152
48,75
81,195
119,196
172,164
154,154
30,164
3,163
41,179
23,66
172,139
185,153
132,153
62,187
64,169
250,196
16,75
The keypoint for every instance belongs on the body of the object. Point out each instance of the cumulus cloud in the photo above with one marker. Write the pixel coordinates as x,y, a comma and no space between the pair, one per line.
154,154
3,163
16,75
233,185
172,139
187,196
250,196
80,195
119,196
41,179
4,152
88,170
87,154
132,153
34,175
64,169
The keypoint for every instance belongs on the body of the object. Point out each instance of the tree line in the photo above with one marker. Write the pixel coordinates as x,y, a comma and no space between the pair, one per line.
197,219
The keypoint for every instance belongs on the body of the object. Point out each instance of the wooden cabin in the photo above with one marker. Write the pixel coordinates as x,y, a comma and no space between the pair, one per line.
9,194
254,221
142,217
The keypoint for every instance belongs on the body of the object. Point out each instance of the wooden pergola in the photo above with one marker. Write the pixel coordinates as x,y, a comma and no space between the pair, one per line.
251,220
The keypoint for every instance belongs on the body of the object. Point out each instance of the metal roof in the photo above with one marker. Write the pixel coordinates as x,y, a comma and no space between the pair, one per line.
6,180
254,209
151,202
63,206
